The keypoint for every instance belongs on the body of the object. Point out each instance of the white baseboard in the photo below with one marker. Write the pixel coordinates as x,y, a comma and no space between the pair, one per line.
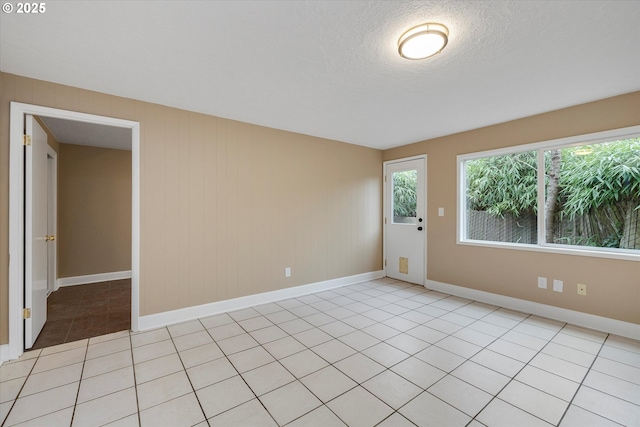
92,278
4,353
158,320
590,321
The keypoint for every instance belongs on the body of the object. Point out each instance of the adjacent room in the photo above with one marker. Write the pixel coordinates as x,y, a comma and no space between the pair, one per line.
367,213
90,209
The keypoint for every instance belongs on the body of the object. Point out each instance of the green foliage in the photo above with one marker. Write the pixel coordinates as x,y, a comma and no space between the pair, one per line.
609,173
503,184
404,193
595,181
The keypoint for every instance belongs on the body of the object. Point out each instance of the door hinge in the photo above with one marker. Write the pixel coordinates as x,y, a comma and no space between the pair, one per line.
385,178
385,219
385,262
26,313
26,140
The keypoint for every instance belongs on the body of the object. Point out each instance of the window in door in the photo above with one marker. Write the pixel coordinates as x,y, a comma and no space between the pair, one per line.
405,197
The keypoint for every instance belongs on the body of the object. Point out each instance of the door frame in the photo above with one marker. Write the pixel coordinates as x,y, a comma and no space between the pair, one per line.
16,212
386,200
52,215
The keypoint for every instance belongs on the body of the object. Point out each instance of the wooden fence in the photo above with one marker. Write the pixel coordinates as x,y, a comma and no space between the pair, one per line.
616,226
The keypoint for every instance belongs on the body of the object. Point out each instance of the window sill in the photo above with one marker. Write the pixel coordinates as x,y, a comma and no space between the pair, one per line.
557,249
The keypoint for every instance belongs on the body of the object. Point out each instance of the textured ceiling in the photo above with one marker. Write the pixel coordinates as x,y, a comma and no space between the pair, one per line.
331,68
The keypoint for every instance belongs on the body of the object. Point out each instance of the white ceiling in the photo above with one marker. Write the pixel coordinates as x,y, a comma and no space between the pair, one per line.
331,68
92,134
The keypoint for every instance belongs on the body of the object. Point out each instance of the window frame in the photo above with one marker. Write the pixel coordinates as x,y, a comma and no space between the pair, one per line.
540,148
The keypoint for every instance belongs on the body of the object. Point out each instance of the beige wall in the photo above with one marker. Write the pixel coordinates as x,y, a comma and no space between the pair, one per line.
613,285
94,210
225,206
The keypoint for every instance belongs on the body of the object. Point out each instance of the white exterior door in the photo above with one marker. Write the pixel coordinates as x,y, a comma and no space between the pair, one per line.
36,231
405,221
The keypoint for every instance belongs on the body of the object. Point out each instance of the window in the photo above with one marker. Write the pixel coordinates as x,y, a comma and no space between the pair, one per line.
501,198
405,195
576,193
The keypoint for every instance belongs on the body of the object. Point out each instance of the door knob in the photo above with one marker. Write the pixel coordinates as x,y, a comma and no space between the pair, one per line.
49,238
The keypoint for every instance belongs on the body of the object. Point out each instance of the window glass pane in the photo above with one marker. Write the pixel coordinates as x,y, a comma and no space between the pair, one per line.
592,195
405,197
502,198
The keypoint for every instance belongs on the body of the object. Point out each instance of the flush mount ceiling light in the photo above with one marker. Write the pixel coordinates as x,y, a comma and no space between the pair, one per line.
423,41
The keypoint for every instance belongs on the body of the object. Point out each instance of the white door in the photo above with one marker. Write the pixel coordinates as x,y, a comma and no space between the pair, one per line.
405,221
52,194
36,233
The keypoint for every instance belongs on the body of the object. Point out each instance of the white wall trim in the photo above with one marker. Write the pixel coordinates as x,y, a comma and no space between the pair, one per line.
599,323
16,220
4,353
93,278
190,313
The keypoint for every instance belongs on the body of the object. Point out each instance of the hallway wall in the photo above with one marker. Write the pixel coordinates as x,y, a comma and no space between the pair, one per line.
94,210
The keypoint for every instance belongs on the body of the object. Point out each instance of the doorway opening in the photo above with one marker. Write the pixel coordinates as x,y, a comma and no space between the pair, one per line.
20,284
91,294
85,311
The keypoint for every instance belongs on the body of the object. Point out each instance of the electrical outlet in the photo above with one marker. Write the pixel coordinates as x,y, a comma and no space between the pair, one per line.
287,272
557,285
542,282
582,289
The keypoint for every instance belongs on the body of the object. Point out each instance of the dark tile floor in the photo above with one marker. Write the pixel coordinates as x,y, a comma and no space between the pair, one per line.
85,311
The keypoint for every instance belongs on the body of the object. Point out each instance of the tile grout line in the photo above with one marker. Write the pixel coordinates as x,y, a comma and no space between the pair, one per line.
289,335
133,366
204,414
135,382
582,383
543,391
358,384
426,390
423,390
52,388
60,367
260,314
448,310
75,405
80,381
226,356
296,379
276,360
511,378
13,404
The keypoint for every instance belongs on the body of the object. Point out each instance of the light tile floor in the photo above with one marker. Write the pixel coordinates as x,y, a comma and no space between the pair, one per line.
378,353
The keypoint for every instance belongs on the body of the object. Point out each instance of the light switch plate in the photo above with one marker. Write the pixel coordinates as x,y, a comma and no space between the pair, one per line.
557,285
542,282
440,211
